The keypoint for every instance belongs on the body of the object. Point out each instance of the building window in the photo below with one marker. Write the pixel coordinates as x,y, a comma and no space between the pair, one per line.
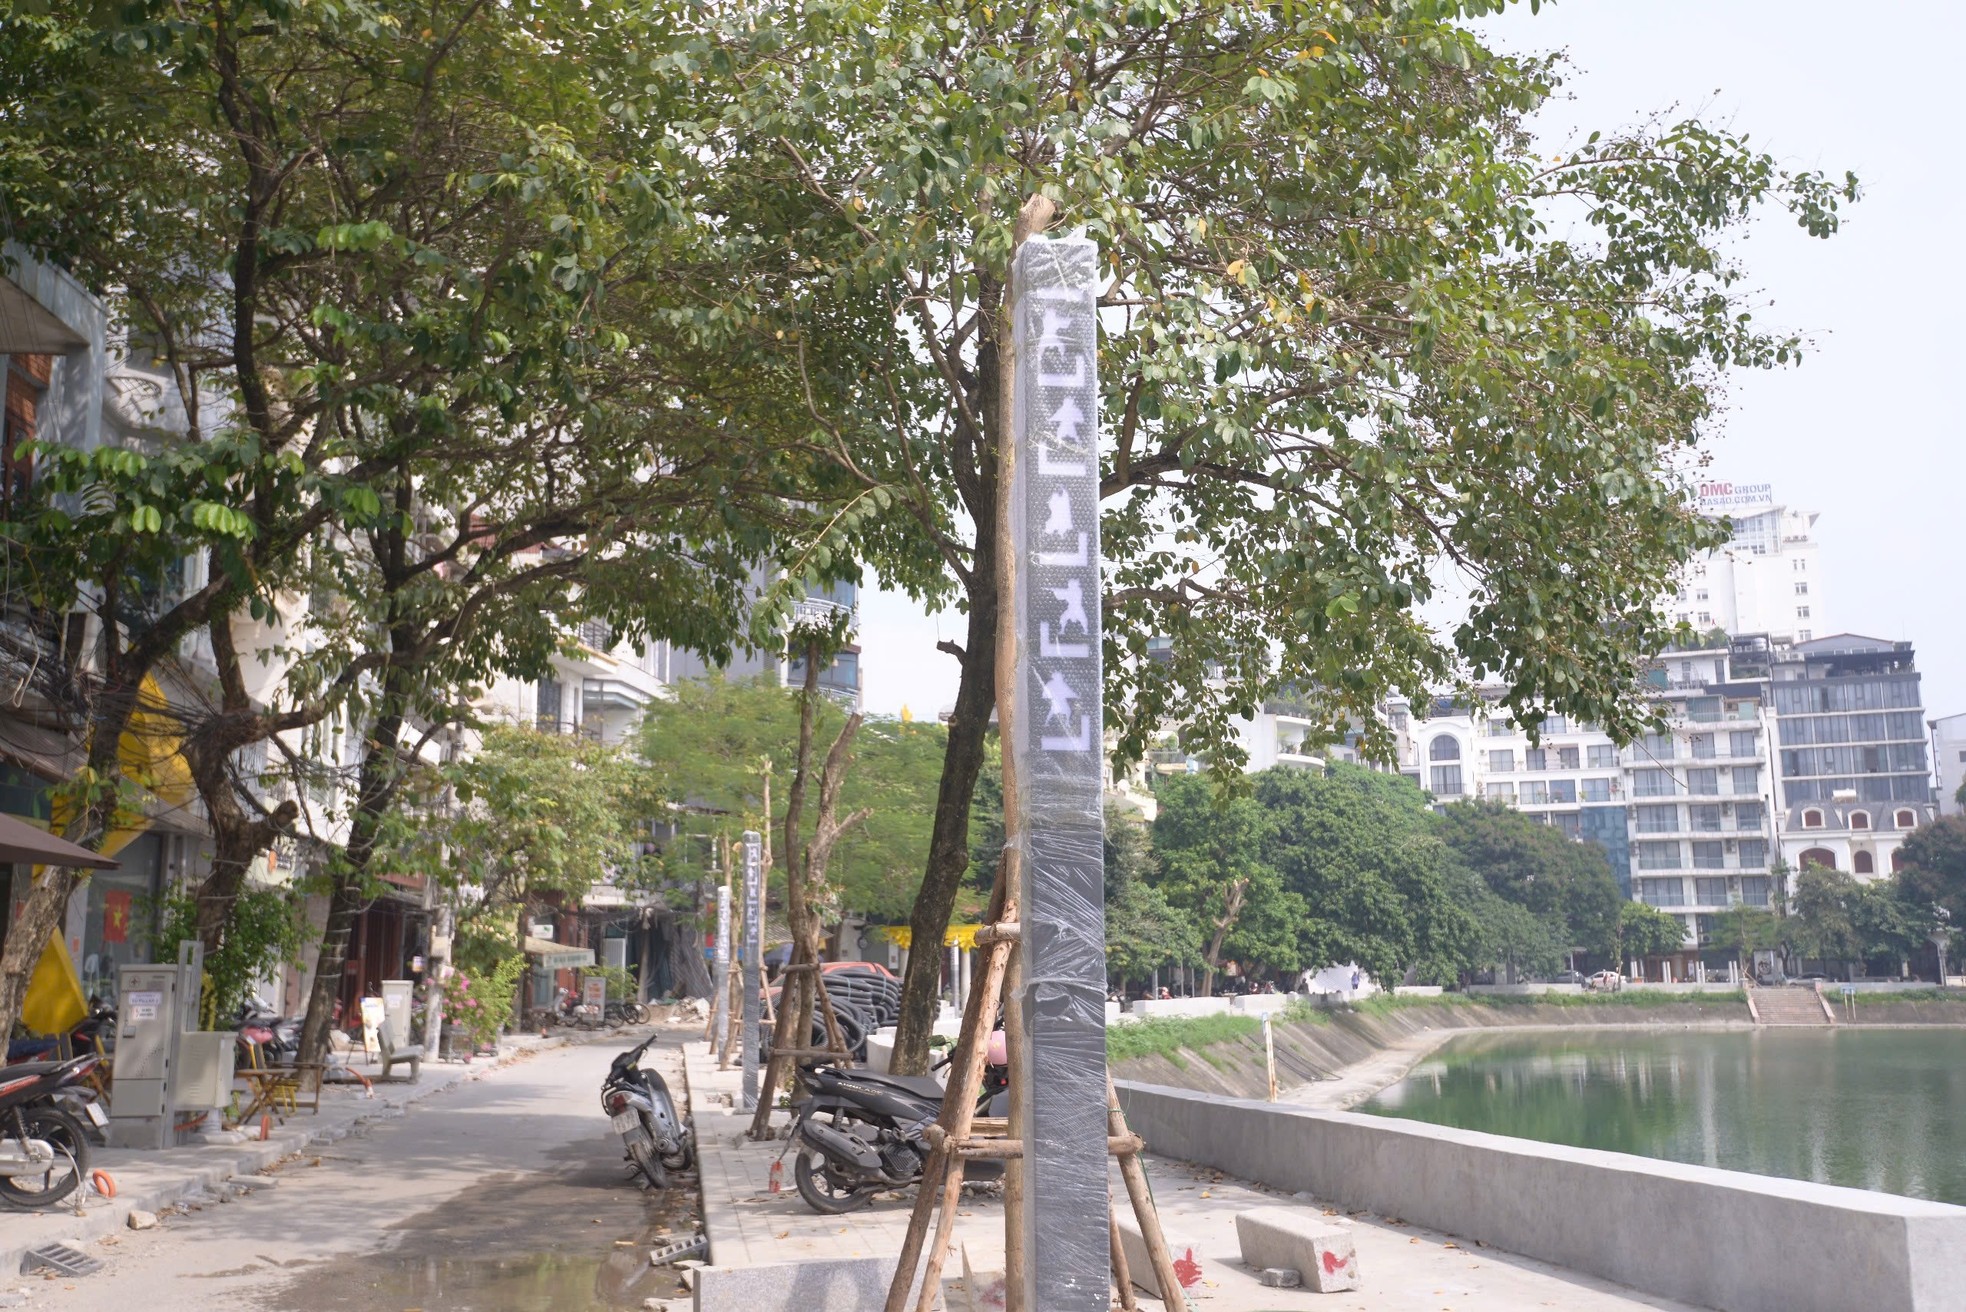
1657,746
1446,780
1500,728
1684,618
1743,742
1710,892
1658,856
1800,565
1754,890
1863,863
1657,819
1751,854
1709,854
1701,595
1653,783
549,706
1802,635
1568,823
1802,589
1812,819
1860,819
1502,762
1897,860
1563,790
1556,724
1706,617
1702,745
1747,780
1747,815
1502,792
1535,793
1536,758
1602,756
1662,892
1568,758
1705,817
1596,790
1906,819
1703,783
1444,748
1817,858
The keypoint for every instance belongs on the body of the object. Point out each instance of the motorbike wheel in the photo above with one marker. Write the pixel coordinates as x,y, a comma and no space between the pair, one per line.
822,1193
639,1013
64,1174
650,1168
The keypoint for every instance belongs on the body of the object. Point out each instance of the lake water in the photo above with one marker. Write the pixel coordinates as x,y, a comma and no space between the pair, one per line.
1873,1109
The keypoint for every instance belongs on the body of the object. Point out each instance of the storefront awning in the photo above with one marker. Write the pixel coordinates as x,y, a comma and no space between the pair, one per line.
24,844
558,956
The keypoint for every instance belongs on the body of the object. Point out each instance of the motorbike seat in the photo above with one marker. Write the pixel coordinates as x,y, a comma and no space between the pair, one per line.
21,1069
926,1086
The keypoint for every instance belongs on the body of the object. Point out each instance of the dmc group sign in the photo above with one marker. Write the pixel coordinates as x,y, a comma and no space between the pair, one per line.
1722,498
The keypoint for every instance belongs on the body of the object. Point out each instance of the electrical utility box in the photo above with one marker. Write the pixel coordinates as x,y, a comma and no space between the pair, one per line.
164,1064
147,1026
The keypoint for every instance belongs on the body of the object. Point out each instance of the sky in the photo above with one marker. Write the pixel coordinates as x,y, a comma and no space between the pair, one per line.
1864,431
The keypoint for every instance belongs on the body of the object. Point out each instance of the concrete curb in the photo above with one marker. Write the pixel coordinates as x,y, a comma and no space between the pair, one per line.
212,1169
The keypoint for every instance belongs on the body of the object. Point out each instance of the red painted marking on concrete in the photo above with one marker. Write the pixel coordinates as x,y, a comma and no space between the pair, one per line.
1187,1268
1333,1262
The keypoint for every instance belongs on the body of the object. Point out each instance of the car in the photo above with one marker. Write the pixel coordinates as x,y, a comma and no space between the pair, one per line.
1605,981
1562,977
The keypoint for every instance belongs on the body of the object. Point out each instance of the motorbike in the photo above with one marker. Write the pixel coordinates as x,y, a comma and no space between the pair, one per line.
44,1149
859,1132
643,1113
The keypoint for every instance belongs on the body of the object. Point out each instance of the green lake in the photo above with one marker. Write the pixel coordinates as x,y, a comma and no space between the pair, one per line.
1873,1109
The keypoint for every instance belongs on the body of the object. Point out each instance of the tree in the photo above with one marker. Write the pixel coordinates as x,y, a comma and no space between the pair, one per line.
1892,922
707,751
1333,281
1536,866
1143,932
1746,930
446,323
1645,931
526,817
1357,846
1935,865
1824,926
1509,934
1213,870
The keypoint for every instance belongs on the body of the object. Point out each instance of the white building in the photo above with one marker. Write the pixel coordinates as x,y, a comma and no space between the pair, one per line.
1765,580
1949,760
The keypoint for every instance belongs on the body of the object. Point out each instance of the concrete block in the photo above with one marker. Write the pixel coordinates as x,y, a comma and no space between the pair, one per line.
1321,1250
1185,1251
843,1285
1279,1277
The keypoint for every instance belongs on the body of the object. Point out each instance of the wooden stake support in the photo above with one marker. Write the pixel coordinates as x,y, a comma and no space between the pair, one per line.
779,1063
960,1135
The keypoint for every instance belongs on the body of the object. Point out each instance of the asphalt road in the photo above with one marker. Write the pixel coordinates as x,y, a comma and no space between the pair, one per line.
507,1194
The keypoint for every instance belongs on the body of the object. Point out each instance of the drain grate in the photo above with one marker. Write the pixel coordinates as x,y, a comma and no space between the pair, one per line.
61,1259
679,1250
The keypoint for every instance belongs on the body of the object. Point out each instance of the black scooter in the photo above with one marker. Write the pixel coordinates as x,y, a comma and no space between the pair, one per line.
44,1151
860,1132
639,1107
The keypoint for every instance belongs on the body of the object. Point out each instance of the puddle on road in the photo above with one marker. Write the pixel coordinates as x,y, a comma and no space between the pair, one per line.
515,1244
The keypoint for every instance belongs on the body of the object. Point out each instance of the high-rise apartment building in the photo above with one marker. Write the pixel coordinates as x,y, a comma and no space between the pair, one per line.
1949,760
1854,776
1765,580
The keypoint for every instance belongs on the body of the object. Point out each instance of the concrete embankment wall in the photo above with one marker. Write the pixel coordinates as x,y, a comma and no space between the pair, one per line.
1311,1050
1720,1239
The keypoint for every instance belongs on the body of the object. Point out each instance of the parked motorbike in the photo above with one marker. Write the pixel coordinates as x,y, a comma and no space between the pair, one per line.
639,1107
861,1132
44,1150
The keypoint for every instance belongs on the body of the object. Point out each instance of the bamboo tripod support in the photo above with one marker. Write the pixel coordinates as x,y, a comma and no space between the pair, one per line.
959,1135
805,974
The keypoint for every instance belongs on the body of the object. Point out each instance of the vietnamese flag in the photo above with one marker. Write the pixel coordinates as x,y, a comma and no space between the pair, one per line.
116,915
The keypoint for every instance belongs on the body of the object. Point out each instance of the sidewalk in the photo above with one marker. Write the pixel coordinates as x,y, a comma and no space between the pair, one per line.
768,1251
153,1181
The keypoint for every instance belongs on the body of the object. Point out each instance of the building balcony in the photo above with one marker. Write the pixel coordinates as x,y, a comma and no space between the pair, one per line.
602,695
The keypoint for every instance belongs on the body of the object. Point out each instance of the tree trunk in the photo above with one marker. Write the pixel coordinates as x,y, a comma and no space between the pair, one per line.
46,904
948,847
350,872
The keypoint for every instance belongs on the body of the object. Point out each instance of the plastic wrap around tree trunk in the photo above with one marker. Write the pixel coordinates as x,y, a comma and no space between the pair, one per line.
1057,747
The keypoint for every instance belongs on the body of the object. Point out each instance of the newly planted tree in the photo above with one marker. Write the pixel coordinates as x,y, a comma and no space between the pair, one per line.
1358,332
